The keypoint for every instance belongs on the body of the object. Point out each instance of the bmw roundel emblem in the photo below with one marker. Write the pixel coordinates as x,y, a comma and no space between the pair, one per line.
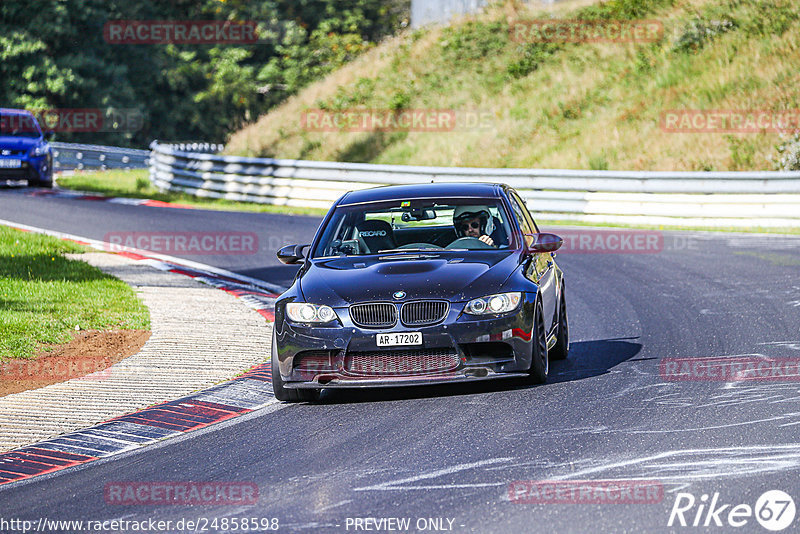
399,294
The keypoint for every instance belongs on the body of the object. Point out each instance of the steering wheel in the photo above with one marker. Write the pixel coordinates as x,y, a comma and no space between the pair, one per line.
470,243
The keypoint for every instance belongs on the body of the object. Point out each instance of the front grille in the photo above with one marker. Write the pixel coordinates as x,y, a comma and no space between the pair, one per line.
374,314
401,362
423,312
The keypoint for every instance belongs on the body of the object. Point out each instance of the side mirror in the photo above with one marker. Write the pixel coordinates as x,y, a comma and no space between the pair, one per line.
291,254
544,242
49,135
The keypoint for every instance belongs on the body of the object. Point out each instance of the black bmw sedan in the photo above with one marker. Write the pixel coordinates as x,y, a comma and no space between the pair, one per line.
418,284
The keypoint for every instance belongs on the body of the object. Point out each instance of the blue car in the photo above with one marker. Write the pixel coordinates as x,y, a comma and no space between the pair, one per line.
25,153
420,284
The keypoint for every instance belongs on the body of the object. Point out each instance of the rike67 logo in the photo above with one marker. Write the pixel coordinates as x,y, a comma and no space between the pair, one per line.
774,510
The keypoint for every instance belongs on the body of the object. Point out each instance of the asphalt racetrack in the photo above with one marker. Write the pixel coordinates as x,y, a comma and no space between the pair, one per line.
446,457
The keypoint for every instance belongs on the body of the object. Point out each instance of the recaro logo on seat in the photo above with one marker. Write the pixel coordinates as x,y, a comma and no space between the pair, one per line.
373,233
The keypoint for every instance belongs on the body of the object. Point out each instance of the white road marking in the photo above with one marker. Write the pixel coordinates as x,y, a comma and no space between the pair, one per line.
338,504
394,485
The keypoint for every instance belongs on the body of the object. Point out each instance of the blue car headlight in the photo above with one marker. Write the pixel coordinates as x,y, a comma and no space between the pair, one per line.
492,304
40,151
303,312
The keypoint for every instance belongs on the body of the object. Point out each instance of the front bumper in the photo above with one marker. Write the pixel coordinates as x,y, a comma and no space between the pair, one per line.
461,348
38,168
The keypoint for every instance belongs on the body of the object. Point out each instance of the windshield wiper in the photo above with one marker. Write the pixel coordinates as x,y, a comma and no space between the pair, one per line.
409,257
409,250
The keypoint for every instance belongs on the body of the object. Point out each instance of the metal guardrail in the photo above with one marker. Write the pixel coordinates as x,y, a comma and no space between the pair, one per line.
71,156
743,199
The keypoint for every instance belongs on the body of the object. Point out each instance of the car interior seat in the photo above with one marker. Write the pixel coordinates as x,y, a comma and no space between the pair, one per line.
499,235
375,235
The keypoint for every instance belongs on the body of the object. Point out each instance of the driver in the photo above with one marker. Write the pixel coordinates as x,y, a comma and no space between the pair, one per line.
474,221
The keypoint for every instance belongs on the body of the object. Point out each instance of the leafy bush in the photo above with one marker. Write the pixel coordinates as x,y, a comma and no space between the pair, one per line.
697,32
773,17
474,40
55,56
621,9
788,158
531,56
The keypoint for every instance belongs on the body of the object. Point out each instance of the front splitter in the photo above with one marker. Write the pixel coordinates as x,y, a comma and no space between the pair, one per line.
399,381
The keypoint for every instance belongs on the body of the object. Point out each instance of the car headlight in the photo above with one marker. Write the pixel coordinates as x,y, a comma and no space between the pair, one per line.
491,304
40,150
303,312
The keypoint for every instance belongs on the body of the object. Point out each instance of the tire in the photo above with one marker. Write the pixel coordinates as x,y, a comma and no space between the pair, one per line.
540,364
285,394
560,350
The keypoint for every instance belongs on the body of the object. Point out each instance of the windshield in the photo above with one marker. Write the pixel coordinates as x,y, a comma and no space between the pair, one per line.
413,225
19,125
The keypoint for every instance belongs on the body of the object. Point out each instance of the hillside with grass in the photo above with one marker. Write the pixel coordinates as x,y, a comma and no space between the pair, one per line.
584,105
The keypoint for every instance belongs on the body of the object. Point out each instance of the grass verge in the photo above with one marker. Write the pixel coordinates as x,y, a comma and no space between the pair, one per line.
44,296
136,184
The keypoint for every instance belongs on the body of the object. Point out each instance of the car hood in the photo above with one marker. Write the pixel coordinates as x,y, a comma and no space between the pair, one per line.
342,281
18,143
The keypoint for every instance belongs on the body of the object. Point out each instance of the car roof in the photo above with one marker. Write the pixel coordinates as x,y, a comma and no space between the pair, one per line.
432,190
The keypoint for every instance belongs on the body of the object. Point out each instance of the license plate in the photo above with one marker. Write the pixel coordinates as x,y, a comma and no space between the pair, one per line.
10,163
399,338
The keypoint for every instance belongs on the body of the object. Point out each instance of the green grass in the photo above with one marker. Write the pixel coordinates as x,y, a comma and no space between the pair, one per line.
136,184
44,296
559,105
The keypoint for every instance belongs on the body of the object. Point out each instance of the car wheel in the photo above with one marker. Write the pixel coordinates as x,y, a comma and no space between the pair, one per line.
561,348
282,393
540,364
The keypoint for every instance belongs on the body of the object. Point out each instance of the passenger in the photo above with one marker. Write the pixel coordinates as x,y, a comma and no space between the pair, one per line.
474,221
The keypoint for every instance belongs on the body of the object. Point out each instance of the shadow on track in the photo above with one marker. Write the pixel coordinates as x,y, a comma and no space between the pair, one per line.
586,359
282,275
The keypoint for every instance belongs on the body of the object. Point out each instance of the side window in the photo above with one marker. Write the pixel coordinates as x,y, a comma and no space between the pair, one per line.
524,223
527,212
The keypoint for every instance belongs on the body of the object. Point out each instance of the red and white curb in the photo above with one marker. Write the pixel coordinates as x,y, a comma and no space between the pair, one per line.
236,397
81,195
